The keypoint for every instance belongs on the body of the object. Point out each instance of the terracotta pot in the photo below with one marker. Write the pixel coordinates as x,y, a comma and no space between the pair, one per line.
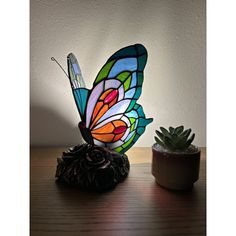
177,171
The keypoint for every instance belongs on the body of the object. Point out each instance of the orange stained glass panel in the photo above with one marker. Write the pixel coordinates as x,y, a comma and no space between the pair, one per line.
100,114
118,123
105,94
104,137
96,109
107,128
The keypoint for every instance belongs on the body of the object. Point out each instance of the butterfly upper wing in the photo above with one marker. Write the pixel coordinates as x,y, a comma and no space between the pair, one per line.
132,58
126,66
122,71
112,115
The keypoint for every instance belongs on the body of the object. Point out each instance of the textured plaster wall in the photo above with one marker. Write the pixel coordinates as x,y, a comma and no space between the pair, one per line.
174,89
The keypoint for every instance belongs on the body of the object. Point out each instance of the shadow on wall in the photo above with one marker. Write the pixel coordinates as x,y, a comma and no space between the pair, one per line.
47,128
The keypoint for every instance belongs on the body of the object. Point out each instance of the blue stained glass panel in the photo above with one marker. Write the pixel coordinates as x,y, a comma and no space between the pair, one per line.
76,68
142,62
136,137
132,114
81,95
138,93
130,93
124,52
129,64
140,110
140,130
134,79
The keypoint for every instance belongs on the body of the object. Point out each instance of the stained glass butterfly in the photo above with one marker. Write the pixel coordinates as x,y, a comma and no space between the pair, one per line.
109,113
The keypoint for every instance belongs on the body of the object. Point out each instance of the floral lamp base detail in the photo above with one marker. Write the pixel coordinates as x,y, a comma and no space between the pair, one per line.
92,167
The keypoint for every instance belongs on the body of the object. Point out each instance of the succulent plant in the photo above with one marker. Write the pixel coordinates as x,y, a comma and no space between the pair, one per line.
174,139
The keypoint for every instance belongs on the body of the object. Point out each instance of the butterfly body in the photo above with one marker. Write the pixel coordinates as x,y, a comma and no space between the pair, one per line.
109,113
86,134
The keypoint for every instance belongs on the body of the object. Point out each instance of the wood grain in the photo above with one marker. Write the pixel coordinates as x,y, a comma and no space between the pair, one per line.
138,206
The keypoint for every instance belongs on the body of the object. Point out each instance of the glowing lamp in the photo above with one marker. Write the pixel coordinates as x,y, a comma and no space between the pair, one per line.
111,120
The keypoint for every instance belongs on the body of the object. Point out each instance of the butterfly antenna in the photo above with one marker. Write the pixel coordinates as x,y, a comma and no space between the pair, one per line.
53,59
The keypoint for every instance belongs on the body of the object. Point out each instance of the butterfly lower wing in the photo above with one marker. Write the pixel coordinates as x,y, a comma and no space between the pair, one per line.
113,124
136,124
110,132
120,132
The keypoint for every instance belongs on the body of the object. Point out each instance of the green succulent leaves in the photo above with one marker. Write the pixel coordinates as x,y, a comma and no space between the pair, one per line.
174,139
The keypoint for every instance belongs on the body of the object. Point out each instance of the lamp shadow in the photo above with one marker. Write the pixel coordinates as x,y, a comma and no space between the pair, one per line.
48,128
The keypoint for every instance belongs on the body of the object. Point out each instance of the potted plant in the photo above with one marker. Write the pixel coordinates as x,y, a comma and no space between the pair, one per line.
175,161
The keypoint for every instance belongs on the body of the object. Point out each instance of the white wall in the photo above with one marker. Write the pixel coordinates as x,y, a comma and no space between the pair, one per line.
174,89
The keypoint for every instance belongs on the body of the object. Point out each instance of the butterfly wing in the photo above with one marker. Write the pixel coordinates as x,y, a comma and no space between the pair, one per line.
123,72
126,66
112,115
121,132
77,84
137,126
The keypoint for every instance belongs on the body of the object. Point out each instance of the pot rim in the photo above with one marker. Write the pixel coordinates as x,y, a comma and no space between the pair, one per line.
198,150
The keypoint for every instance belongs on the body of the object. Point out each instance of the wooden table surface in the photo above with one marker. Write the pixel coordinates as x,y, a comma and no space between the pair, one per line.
138,206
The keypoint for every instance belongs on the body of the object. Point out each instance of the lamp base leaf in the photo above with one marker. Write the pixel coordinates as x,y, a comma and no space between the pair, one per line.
92,167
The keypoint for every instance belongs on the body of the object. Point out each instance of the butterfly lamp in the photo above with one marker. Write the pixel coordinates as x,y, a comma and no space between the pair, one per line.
111,120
